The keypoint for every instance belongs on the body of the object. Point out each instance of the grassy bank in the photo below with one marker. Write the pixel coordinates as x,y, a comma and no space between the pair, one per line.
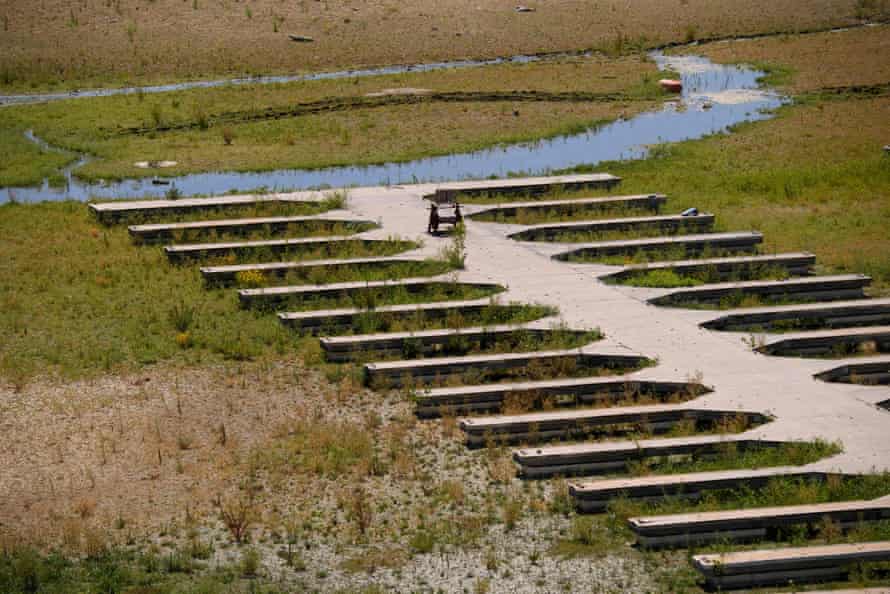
362,137
81,299
225,129
812,179
115,42
804,63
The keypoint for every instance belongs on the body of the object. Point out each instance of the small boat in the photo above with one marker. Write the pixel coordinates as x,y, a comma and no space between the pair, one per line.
160,182
670,84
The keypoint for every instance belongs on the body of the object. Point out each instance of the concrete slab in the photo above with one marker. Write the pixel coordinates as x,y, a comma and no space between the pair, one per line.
332,320
666,223
560,392
747,569
433,342
225,275
297,293
734,267
493,367
683,530
601,457
691,244
874,372
193,251
813,288
831,343
523,185
804,409
580,423
838,314
109,212
594,495
568,206
165,231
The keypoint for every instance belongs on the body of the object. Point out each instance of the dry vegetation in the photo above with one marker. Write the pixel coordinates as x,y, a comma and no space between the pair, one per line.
94,42
326,483
815,61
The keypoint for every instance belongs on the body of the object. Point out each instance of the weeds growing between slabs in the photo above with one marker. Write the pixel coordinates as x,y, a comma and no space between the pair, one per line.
666,278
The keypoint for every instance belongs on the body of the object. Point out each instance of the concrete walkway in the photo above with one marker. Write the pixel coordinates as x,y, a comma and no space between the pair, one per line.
804,408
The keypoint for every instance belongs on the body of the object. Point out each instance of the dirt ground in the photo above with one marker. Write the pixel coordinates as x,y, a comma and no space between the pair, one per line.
91,42
360,486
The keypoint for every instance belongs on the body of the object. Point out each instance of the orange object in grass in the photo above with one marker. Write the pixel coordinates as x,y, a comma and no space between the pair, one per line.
670,84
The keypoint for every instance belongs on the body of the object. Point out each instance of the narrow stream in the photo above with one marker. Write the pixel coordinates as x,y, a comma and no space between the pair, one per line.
714,98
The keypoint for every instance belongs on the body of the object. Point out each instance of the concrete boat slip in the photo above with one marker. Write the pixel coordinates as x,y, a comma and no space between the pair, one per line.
747,569
191,251
222,275
866,373
297,293
330,320
813,288
536,185
164,231
832,343
690,244
569,206
579,423
109,212
563,391
595,458
430,342
856,591
425,371
683,530
594,496
668,223
796,264
868,312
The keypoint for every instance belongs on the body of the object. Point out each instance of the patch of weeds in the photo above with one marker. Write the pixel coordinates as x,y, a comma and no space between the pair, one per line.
590,536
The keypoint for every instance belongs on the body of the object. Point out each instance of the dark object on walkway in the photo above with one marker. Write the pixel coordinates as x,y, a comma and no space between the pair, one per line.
433,225
437,218
301,38
690,212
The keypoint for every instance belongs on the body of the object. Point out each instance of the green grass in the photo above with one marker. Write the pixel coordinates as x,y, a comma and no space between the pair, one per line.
520,341
347,248
329,273
24,162
729,457
589,236
372,321
316,228
563,367
562,214
369,298
778,492
812,179
232,129
24,571
80,300
258,209
643,256
667,278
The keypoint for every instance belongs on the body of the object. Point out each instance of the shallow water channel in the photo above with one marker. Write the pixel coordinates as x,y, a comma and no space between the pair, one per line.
714,98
